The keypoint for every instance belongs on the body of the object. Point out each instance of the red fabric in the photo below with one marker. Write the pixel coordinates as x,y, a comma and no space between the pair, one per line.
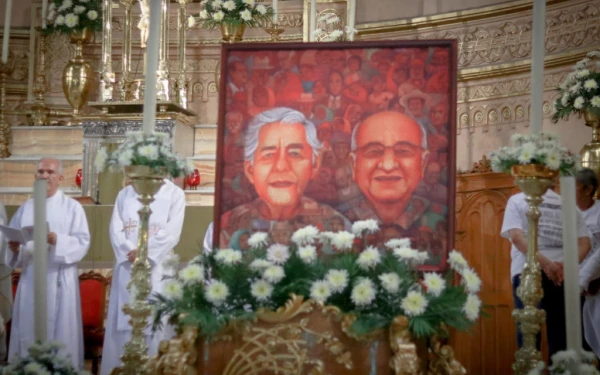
92,302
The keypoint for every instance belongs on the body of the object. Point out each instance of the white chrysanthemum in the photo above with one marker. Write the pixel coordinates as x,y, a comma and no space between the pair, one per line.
278,254
406,253
261,9
229,5
422,256
368,226
320,291
148,151
342,240
216,292
246,15
171,262
216,4
578,103
173,289
471,280
595,101
248,2
218,16
390,282
261,290
398,242
336,34
363,293
92,15
66,4
457,261
51,7
260,264
434,283
553,159
258,239
191,21
34,368
414,304
327,236
565,99
192,273
590,84
472,307
587,369
79,9
307,254
51,15
125,157
583,73
575,88
337,279
71,20
228,256
305,235
369,258
204,14
274,274
101,158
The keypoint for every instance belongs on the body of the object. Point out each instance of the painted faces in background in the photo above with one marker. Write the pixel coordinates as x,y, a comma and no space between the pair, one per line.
324,132
319,89
336,83
438,115
415,106
238,73
233,123
283,164
389,158
260,96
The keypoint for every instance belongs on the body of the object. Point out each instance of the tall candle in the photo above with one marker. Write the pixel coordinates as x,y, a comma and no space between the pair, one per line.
352,18
275,19
571,263
152,67
6,35
44,13
313,20
537,64
40,260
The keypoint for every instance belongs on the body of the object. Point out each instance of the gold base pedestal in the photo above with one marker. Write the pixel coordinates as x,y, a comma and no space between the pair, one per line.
275,32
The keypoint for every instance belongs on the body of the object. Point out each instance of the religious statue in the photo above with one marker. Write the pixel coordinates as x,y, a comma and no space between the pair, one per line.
144,24
106,87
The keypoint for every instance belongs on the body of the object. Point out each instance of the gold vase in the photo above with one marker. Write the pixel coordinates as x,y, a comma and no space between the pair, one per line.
146,182
232,33
78,76
534,180
590,153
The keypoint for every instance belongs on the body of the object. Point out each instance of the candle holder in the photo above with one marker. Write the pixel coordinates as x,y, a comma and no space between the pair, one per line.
146,182
275,31
534,180
6,68
39,111
181,84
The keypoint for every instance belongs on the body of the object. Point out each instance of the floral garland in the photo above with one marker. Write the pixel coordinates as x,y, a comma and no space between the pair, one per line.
534,149
237,12
375,286
152,150
580,90
564,362
67,16
44,358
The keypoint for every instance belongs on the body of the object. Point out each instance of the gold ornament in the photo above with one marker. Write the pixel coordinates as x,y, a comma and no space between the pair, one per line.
232,33
590,153
5,133
534,180
78,75
275,31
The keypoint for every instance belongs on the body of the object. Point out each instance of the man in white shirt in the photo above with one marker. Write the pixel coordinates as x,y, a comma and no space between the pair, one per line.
550,257
68,243
6,300
166,223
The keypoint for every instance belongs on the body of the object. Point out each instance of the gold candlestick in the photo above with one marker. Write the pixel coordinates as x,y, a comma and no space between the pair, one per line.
39,111
534,180
6,68
275,31
125,83
146,183
107,77
181,93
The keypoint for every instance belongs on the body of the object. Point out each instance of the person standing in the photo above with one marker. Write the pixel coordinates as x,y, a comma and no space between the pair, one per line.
68,243
164,231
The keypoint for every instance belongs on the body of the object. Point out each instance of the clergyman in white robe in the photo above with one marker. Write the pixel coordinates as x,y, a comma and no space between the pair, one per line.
166,222
67,219
6,299
588,272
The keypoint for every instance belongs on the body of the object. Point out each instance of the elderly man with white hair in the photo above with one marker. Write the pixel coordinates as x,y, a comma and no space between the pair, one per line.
282,154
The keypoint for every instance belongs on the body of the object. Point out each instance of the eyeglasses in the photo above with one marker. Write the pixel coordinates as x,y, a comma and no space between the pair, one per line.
401,150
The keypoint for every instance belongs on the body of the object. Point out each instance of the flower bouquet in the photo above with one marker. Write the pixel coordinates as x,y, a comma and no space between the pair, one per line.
43,359
569,362
234,12
580,91
68,16
375,286
542,149
330,29
139,149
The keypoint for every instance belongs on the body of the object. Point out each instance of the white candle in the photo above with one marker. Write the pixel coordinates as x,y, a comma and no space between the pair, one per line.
40,260
571,263
352,18
537,65
313,20
152,47
275,20
44,13
6,35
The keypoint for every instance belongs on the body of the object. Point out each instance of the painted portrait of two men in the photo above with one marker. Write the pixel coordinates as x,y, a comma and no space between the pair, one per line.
331,134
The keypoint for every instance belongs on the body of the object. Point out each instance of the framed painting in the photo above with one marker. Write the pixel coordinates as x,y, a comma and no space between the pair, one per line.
327,134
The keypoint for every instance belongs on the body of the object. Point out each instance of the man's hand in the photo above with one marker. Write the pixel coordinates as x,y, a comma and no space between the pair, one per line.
14,246
52,238
132,255
554,271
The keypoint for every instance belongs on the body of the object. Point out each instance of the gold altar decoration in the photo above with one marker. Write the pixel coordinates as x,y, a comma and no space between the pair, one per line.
590,153
39,111
274,31
534,180
78,75
146,183
5,133
303,337
232,33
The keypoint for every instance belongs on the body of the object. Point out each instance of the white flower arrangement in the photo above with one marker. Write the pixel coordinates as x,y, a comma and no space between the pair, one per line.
580,90
153,150
330,28
375,285
67,16
238,12
542,149
569,362
43,358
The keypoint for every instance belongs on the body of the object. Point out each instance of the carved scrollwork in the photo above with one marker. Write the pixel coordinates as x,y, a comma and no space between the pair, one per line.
443,361
178,356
